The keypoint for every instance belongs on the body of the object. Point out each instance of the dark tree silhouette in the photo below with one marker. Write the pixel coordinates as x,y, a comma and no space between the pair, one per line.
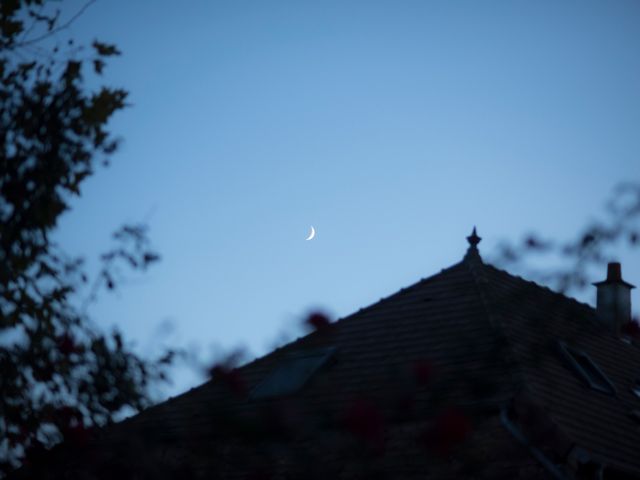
599,241
60,375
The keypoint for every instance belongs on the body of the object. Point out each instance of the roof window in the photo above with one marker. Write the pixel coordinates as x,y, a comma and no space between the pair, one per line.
635,387
587,369
293,372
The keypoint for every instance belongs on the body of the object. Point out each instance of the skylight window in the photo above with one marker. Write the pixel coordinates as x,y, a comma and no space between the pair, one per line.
635,388
588,370
293,372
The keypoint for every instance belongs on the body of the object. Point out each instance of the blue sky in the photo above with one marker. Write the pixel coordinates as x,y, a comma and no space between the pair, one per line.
393,127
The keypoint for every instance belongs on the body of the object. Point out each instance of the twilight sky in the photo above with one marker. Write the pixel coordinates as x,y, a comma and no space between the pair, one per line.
391,126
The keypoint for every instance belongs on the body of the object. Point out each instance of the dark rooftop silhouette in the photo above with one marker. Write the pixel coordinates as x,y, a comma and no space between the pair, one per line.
472,372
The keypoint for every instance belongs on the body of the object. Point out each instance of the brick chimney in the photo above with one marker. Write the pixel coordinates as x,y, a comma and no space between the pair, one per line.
614,299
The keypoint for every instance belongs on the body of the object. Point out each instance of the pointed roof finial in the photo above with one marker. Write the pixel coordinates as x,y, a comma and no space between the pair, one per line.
474,239
472,251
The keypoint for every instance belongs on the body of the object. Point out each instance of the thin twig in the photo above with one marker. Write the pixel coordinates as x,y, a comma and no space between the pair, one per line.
57,29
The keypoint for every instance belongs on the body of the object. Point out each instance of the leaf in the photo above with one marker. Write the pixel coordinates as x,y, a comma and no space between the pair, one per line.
26,67
105,49
98,66
9,28
150,257
103,104
72,72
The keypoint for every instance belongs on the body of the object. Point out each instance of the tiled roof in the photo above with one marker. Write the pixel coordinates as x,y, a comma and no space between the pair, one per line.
473,338
534,319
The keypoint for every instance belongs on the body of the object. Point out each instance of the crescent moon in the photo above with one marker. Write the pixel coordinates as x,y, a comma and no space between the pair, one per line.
311,234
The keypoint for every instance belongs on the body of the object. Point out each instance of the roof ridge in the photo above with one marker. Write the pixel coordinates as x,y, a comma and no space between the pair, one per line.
541,286
591,319
476,268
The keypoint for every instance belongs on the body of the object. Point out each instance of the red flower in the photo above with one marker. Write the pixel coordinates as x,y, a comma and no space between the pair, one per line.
230,377
450,428
77,435
632,328
364,420
260,474
318,321
67,345
67,415
422,371
18,438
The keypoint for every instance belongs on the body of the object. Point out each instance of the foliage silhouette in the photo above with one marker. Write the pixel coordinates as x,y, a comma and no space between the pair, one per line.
61,375
592,246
